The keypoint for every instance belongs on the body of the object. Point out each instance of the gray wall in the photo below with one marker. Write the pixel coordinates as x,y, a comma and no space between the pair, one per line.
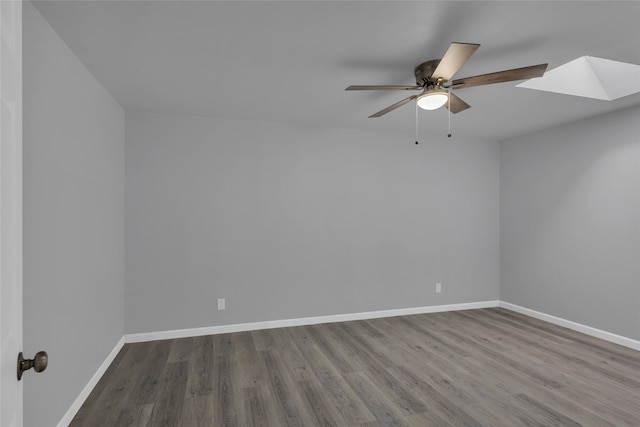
570,222
73,221
289,222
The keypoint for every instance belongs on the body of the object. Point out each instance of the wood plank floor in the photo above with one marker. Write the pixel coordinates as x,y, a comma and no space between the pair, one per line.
487,367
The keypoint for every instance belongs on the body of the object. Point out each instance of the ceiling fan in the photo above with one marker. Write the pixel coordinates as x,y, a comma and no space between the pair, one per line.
433,78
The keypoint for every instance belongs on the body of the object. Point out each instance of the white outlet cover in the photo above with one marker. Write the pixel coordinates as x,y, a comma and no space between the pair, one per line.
221,304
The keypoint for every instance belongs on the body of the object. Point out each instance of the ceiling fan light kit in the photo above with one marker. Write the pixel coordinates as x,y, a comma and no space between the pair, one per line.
433,77
432,99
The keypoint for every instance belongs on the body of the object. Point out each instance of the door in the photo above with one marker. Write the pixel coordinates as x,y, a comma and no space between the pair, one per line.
10,210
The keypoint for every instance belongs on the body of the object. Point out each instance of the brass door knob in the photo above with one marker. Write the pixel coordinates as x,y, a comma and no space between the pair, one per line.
38,363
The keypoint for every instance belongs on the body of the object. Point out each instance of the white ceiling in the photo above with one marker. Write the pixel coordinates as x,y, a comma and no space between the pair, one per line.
291,61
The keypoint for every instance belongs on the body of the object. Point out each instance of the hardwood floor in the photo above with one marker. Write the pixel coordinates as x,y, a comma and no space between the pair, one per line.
487,367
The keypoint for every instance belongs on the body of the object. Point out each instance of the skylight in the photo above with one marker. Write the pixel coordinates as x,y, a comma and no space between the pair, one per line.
590,77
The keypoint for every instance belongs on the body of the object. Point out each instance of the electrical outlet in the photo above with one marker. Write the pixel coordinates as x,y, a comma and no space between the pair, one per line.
221,304
438,288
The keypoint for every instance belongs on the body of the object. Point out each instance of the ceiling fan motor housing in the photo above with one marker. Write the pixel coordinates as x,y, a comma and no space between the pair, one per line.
424,72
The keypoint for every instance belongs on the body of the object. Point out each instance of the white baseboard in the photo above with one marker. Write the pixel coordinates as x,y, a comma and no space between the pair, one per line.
86,391
241,327
588,330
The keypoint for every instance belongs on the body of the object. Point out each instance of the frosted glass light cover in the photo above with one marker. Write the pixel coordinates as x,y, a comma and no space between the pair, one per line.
432,101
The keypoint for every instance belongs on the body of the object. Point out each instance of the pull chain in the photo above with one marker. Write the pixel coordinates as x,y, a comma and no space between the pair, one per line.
416,123
449,100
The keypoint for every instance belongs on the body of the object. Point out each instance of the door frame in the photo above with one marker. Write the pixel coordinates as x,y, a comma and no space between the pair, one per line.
11,390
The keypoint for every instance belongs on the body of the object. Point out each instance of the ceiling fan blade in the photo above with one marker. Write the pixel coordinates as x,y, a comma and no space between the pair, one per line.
394,106
380,87
501,76
457,104
456,55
